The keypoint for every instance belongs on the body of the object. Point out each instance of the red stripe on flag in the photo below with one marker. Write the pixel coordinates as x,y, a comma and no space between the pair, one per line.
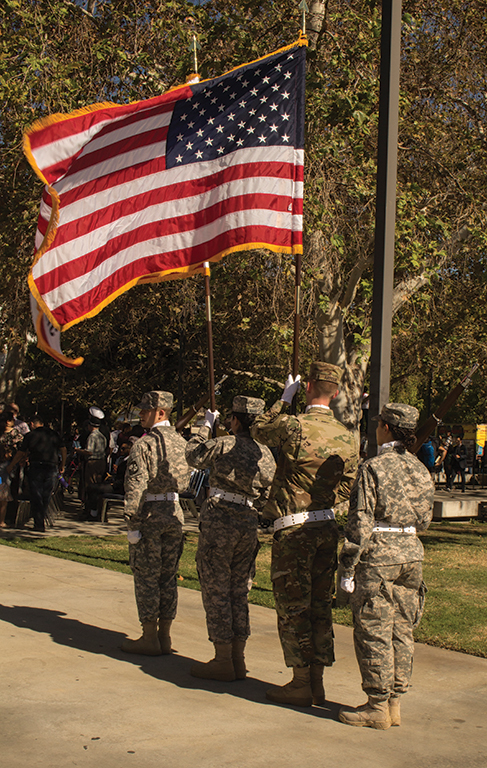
83,304
72,125
165,194
104,154
153,167
85,264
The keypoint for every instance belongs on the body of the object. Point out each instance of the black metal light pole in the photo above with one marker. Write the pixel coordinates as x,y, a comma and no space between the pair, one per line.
385,216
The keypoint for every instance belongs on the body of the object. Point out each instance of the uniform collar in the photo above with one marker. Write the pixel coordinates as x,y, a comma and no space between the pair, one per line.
164,423
317,405
385,446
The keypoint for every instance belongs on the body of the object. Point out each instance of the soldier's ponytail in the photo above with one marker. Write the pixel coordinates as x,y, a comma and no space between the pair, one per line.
404,436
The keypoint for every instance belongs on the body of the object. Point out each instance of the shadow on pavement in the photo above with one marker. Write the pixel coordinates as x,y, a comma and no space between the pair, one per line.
173,669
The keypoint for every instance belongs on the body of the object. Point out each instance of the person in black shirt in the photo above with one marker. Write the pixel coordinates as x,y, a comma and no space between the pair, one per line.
42,447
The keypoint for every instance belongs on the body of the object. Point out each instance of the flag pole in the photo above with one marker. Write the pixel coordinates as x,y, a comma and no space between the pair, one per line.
303,7
194,47
211,371
297,316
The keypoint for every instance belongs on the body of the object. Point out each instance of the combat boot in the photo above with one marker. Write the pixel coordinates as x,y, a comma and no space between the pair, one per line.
219,668
395,710
373,714
316,679
297,692
148,644
164,636
238,657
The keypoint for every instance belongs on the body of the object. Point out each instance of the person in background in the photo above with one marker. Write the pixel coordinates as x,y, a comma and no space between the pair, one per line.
22,426
10,439
43,448
426,454
459,464
94,466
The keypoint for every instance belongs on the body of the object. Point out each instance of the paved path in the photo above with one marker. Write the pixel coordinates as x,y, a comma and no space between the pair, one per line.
71,698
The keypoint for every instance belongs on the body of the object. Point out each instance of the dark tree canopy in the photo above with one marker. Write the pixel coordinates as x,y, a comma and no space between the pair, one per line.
57,55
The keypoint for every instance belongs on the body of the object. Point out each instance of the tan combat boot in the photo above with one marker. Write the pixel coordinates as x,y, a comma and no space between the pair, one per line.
148,644
297,692
219,668
374,714
164,636
395,710
316,679
238,657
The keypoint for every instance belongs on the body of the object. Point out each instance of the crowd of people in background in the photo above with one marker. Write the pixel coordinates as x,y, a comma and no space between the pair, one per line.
35,457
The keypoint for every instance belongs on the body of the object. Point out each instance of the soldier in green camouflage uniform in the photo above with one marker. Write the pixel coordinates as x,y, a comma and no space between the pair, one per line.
241,473
156,473
392,498
315,470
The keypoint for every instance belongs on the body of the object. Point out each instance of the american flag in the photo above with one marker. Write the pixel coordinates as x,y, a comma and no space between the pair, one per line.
49,338
150,190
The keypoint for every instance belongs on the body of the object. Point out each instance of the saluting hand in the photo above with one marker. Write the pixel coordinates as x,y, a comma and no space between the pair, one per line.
293,385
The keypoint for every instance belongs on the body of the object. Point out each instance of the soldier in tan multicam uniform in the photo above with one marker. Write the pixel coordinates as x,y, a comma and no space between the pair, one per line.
241,473
156,473
315,470
382,565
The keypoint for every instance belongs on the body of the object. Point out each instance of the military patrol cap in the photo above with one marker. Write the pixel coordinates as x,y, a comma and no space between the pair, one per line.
252,405
325,372
399,415
155,399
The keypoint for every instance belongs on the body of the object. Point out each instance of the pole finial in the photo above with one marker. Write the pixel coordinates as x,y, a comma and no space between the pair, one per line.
303,6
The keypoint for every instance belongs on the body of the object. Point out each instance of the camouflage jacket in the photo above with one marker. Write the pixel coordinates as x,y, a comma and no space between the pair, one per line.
237,465
317,460
156,464
396,488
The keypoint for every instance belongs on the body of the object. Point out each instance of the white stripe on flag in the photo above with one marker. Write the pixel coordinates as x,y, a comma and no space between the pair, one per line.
181,240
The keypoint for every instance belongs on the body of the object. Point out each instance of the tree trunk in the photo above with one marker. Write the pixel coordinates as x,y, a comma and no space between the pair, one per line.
12,370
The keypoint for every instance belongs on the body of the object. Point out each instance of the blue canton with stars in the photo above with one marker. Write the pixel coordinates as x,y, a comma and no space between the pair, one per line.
257,105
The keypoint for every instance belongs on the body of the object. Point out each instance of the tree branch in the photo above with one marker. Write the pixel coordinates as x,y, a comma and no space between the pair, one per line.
256,376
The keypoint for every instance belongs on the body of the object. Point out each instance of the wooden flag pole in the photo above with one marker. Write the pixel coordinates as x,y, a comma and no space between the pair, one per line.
297,316
211,372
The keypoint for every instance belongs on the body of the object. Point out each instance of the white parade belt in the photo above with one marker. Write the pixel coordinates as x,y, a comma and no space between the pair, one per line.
162,496
385,527
237,498
313,516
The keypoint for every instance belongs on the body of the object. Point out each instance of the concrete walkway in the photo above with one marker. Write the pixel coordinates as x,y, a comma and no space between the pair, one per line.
71,698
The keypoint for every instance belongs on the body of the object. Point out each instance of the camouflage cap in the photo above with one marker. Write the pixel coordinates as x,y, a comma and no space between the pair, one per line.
325,372
399,415
244,404
155,399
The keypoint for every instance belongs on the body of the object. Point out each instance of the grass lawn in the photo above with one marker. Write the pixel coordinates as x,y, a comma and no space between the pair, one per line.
455,571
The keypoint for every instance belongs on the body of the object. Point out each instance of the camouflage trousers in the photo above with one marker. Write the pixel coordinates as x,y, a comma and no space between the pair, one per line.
385,607
304,561
154,561
227,548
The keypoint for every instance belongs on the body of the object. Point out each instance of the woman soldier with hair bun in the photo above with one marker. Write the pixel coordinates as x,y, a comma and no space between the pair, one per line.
391,500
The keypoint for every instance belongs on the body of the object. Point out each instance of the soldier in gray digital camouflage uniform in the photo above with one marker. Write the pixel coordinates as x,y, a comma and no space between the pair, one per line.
241,473
156,473
316,467
392,498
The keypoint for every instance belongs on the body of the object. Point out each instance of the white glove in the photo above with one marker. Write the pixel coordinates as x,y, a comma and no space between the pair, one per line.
134,536
292,386
347,583
210,418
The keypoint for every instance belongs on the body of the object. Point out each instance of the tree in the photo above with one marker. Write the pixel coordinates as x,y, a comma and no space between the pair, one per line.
64,56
